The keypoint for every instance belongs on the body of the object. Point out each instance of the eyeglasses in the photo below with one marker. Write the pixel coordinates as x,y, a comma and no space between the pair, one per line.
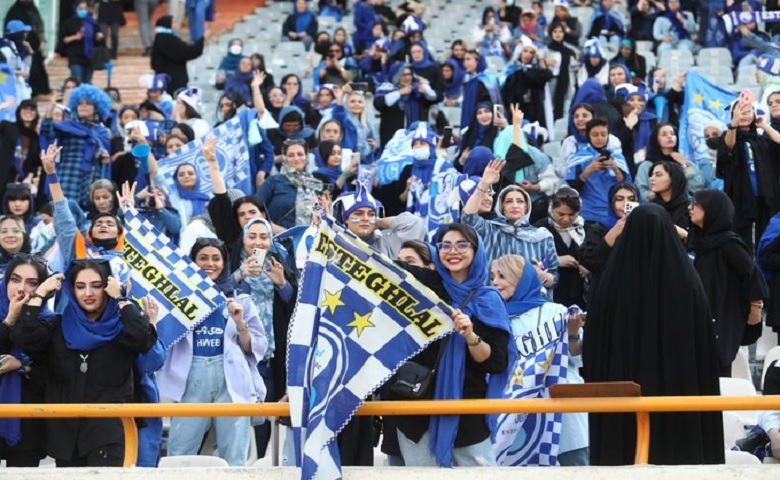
209,242
459,247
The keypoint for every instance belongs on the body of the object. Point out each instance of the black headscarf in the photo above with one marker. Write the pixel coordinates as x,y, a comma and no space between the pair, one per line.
718,225
648,316
677,206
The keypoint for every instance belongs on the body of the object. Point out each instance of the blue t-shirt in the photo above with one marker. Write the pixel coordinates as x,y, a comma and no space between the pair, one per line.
209,335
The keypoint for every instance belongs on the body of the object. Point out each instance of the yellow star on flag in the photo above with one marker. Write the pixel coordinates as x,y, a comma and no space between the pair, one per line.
3,76
698,99
332,301
715,105
361,322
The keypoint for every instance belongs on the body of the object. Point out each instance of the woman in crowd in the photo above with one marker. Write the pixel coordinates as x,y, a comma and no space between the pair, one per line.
568,230
27,12
292,86
185,193
565,56
619,75
157,208
511,231
289,195
632,336
484,133
273,290
341,38
734,286
580,115
90,349
750,175
19,145
530,311
663,147
453,75
636,64
79,35
301,25
102,198
401,101
18,201
216,363
480,349
594,169
13,239
239,81
229,63
669,189
637,126
330,171
22,374
358,134
674,28
186,109
170,54
601,236
595,66
491,35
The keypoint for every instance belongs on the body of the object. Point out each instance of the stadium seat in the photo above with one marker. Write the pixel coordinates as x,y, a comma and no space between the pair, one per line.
714,56
740,368
681,54
741,458
767,341
650,60
770,357
733,430
184,461
496,64
287,50
453,115
747,75
739,387
561,128
643,47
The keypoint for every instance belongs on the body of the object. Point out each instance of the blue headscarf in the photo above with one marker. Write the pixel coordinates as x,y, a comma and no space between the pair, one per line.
261,288
771,234
478,159
454,88
590,91
299,100
643,127
89,24
489,308
629,77
573,128
325,148
528,293
409,103
426,61
11,382
302,134
198,199
481,130
82,334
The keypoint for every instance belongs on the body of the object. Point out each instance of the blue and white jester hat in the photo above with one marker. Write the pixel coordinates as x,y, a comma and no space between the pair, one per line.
360,198
425,134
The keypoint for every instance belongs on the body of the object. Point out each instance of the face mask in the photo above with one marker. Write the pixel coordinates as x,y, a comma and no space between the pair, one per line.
421,153
712,143
236,49
81,13
528,28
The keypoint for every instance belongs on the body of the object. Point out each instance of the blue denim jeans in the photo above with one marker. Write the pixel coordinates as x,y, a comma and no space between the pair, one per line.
82,72
419,455
206,384
196,18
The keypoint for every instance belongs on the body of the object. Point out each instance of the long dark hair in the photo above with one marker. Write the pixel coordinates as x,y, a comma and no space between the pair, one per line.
654,146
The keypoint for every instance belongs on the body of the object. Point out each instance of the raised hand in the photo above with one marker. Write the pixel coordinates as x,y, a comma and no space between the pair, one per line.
47,158
493,171
517,114
210,150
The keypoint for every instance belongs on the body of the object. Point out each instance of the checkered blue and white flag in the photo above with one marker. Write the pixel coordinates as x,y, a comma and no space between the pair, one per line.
533,438
232,155
358,318
184,294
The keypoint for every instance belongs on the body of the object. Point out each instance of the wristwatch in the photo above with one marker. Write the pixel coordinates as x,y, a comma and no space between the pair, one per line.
732,127
476,342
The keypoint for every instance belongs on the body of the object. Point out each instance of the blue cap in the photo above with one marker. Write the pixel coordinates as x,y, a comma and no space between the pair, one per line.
16,26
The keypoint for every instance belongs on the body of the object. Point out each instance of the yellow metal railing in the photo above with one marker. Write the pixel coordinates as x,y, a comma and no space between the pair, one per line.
641,406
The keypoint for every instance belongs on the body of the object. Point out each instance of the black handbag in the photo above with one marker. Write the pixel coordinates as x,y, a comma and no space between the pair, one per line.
413,381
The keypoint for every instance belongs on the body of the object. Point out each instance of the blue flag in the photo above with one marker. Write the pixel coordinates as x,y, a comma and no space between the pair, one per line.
533,438
232,155
705,105
358,318
184,294
7,92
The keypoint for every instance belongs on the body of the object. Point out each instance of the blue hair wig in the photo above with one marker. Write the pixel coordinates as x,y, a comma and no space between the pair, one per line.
98,97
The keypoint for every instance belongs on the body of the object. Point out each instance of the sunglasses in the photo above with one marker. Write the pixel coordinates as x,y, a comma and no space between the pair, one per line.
35,257
294,142
209,242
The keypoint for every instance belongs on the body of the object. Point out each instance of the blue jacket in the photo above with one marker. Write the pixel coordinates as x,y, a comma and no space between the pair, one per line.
261,154
278,195
350,139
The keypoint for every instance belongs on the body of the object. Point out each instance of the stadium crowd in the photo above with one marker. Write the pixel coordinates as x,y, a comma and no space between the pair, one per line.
672,256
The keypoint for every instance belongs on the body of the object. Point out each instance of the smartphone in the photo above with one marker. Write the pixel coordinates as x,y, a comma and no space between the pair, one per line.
359,86
498,111
258,256
629,206
446,140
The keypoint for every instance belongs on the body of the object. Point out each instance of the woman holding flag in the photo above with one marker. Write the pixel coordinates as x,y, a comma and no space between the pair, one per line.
216,363
529,311
474,364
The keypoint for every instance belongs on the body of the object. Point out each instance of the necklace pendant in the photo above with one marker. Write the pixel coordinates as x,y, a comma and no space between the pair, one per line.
84,366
